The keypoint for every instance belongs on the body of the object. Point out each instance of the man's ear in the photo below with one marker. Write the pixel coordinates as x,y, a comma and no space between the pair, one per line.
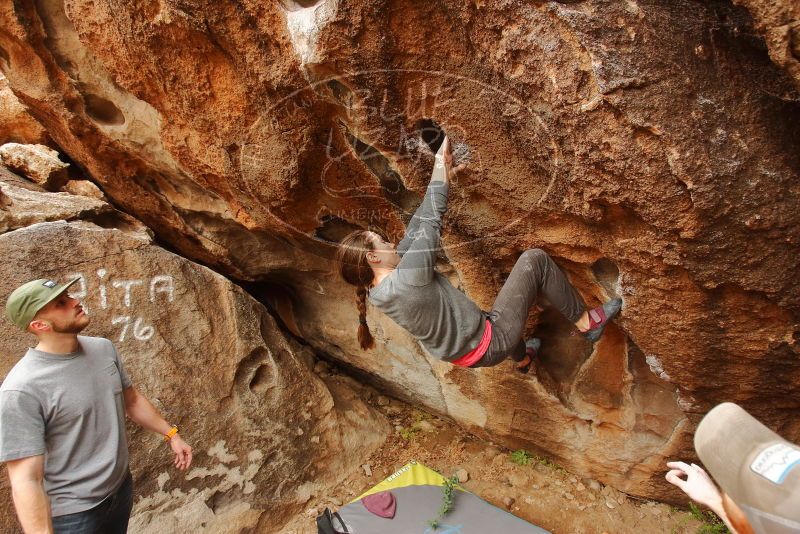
39,325
372,257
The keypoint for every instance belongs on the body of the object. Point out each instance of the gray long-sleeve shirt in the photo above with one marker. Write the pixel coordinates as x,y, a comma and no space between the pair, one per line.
421,300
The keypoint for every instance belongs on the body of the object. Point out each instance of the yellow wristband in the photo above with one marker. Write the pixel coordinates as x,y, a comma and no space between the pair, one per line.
169,435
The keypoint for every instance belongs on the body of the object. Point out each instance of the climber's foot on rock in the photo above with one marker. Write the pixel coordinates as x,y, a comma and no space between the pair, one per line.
532,347
600,317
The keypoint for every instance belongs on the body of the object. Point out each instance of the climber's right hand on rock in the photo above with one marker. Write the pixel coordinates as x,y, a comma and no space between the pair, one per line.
445,156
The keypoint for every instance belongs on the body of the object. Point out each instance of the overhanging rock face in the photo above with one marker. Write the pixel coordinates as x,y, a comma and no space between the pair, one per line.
650,147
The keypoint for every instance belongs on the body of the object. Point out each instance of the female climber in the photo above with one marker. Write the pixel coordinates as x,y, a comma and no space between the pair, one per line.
402,283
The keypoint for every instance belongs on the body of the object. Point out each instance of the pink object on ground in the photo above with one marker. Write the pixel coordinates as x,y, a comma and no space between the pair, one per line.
381,504
477,353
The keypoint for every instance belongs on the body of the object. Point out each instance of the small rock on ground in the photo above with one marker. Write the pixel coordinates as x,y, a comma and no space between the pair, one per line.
462,475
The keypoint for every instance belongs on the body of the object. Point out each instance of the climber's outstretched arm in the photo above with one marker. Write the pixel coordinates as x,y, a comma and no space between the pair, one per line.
434,204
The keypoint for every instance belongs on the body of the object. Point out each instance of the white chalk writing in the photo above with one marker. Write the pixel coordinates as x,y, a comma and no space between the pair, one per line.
140,332
128,286
162,284
123,293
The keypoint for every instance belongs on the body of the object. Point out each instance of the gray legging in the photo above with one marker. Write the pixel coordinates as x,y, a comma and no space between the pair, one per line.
535,272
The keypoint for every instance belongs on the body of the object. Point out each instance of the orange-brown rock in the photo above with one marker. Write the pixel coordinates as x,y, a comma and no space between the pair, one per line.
38,163
650,147
16,124
779,24
267,432
84,188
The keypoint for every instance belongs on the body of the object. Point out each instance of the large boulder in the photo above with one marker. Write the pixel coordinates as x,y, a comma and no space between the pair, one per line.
267,433
38,163
650,147
23,204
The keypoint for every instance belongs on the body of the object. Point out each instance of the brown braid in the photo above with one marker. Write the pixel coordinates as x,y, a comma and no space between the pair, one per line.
355,270
365,338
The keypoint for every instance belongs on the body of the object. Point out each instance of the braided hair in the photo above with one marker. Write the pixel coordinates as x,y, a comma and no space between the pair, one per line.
355,270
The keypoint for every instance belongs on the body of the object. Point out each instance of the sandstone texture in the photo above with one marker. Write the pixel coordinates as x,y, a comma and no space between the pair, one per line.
652,148
24,204
267,433
84,188
38,163
779,23
16,124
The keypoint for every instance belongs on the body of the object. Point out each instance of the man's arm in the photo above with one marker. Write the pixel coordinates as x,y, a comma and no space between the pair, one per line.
142,412
30,499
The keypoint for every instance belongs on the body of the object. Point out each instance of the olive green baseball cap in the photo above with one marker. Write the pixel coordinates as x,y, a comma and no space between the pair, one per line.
25,302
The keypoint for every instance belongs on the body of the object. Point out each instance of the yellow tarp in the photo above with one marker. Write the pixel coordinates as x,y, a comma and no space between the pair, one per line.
411,474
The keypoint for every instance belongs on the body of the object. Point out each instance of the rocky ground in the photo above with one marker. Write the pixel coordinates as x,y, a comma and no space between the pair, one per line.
541,492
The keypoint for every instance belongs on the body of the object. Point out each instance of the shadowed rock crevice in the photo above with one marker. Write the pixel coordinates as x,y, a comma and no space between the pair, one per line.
606,273
562,353
334,228
341,93
279,296
103,110
115,220
220,499
245,377
5,59
431,133
391,184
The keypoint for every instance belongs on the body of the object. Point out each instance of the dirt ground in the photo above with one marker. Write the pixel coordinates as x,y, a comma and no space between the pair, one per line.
539,492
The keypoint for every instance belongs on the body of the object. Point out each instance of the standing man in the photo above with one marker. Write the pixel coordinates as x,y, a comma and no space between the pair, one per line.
62,425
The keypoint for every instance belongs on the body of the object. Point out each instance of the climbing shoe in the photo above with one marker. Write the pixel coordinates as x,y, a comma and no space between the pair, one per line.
599,318
532,347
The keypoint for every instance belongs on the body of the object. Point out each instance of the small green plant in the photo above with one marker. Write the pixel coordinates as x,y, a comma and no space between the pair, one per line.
447,501
420,416
548,463
710,523
408,433
521,457
684,518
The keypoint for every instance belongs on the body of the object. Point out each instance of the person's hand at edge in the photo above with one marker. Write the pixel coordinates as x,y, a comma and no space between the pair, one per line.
699,487
183,452
697,484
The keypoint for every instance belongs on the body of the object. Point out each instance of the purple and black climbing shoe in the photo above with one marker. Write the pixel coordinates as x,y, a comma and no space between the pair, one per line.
599,318
532,347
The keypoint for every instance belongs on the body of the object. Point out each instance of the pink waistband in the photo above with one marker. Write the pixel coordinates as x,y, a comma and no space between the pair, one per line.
477,353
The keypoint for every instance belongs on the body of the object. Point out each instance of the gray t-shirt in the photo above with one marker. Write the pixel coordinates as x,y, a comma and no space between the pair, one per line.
416,297
70,408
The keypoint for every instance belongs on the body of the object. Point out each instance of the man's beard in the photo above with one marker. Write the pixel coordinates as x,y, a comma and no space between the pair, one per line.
74,327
